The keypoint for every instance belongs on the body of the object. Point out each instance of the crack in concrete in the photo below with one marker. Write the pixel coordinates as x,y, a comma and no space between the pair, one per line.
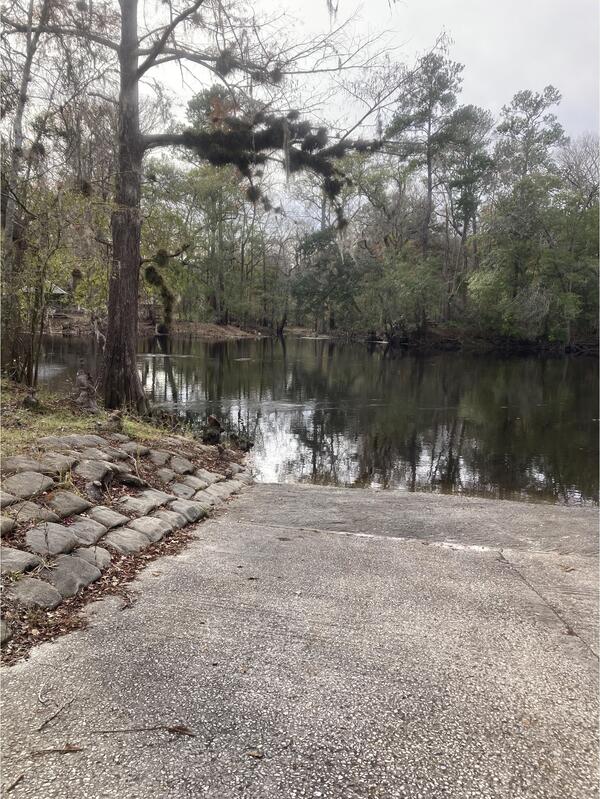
375,536
570,629
443,544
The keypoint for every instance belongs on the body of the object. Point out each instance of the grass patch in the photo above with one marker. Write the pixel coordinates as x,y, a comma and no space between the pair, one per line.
146,431
21,428
56,415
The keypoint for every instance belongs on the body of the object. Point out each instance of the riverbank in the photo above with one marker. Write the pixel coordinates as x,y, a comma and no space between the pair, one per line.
453,339
85,508
437,339
52,414
77,324
205,331
327,642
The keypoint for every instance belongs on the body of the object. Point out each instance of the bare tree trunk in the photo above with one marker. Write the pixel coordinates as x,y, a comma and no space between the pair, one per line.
281,324
223,313
475,246
429,208
12,332
446,271
122,385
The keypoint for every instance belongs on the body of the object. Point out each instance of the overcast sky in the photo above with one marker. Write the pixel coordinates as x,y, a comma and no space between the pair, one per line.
505,45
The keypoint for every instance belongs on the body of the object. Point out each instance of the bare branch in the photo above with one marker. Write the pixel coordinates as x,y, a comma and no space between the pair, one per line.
158,45
59,30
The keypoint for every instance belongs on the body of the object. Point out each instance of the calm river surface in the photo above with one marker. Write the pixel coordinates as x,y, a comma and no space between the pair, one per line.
354,415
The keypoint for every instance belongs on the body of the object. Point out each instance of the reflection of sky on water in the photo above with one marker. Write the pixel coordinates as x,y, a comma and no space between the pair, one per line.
351,415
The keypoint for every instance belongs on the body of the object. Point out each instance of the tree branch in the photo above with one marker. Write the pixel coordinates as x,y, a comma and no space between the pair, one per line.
205,59
158,45
164,140
166,255
59,30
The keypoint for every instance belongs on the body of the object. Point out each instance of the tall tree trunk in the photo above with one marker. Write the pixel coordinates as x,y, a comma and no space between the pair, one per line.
475,245
463,243
446,271
429,208
12,326
122,384
223,312
281,325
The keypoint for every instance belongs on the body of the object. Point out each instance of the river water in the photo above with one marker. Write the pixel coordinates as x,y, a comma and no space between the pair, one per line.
355,415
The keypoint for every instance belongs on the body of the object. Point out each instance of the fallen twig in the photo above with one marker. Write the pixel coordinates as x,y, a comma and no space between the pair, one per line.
64,750
175,729
58,712
14,783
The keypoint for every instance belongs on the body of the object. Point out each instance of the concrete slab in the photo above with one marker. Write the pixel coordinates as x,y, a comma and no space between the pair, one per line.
159,456
59,462
175,520
87,531
97,556
34,593
16,560
429,517
182,490
165,475
66,503
125,540
21,463
181,465
68,574
107,517
119,438
194,482
27,511
312,663
145,502
192,511
6,499
135,449
209,477
49,538
27,484
7,525
154,529
91,470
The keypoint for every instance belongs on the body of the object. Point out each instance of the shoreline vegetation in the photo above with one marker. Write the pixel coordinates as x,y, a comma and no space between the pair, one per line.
449,338
27,417
56,413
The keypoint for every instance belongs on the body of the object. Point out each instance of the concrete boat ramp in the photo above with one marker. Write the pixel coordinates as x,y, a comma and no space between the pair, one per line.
317,642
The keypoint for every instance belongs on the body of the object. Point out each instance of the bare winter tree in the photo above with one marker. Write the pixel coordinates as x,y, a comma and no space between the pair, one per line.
231,45
11,315
42,77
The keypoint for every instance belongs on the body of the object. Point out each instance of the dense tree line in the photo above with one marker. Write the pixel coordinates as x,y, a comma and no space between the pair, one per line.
440,220
460,225
465,224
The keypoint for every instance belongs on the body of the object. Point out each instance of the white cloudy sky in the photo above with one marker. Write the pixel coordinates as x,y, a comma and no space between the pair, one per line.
505,46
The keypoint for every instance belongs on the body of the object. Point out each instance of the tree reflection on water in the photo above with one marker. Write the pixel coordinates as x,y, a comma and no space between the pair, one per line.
350,414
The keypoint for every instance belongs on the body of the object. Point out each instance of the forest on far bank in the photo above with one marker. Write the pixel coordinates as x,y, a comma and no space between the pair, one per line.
437,219
462,224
